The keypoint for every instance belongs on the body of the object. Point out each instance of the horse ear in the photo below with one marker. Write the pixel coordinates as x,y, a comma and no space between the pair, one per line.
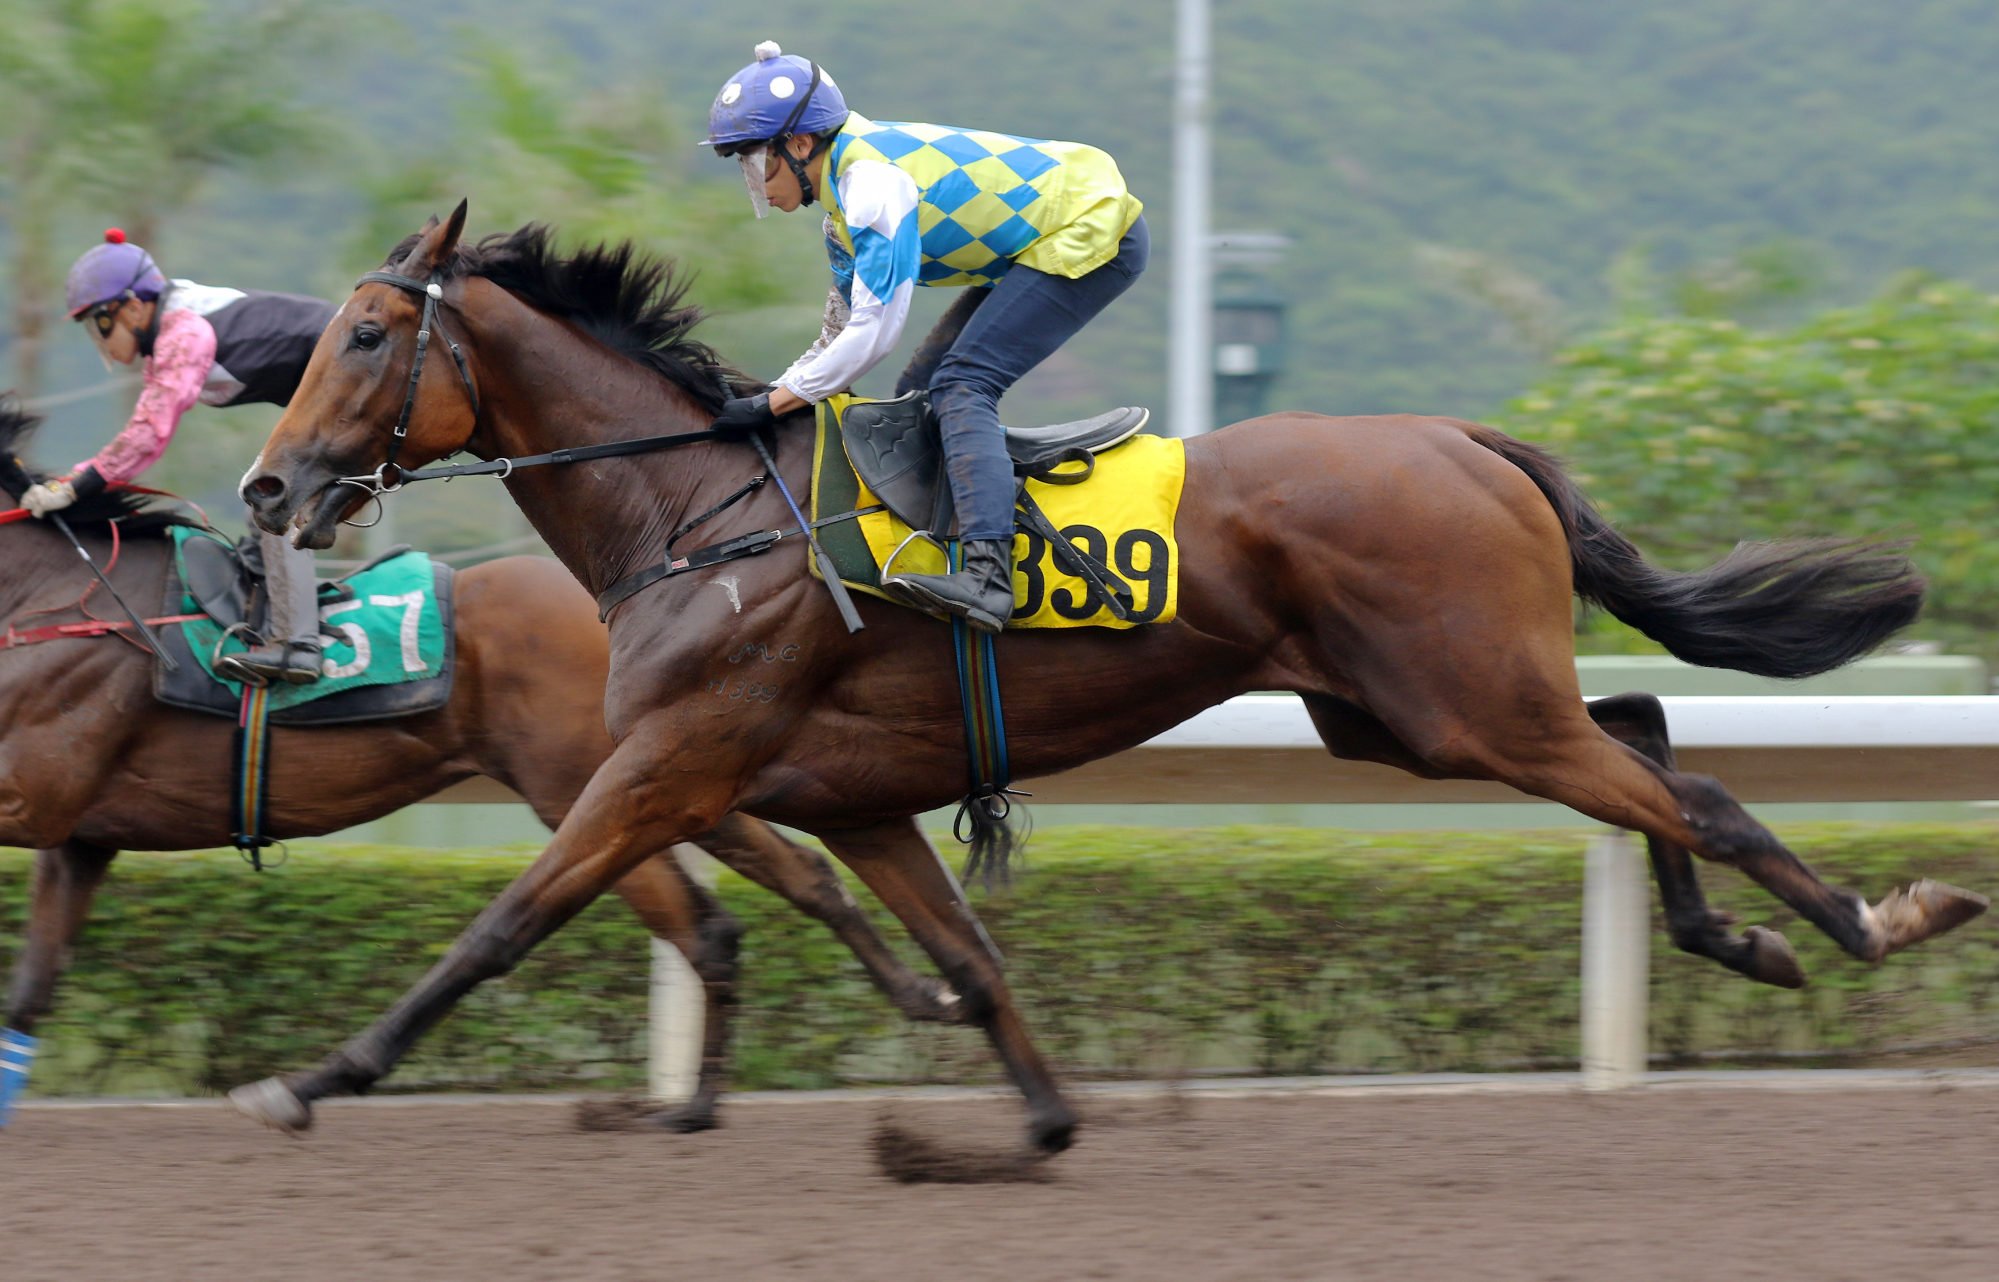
435,243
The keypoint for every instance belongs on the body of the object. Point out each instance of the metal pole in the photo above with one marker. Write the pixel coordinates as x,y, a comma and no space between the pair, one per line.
1190,361
1616,956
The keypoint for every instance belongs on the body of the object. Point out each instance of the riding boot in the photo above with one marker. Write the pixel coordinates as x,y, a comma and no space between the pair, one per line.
981,593
292,653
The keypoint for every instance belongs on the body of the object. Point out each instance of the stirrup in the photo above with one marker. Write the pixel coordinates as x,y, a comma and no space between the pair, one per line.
227,667
284,669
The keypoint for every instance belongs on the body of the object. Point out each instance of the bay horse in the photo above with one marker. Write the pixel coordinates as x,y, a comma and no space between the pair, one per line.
1410,578
91,763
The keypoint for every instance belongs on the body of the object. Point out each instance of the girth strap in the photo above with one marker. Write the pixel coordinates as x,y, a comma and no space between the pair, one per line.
715,553
253,775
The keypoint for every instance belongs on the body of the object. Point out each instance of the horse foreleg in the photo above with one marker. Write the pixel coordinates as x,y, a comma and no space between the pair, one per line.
686,914
1639,721
899,864
805,878
66,879
623,815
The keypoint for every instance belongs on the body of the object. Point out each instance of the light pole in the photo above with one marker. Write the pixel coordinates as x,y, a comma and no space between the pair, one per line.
1190,375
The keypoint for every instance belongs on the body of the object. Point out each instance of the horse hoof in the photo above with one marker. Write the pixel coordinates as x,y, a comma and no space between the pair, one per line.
1771,960
1052,1134
274,1104
932,1002
685,1121
1917,911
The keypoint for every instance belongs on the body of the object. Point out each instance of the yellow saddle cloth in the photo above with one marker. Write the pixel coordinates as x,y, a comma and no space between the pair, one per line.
1122,515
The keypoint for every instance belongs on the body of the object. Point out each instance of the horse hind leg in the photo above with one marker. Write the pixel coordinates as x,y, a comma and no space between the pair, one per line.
1905,917
1639,722
1352,732
1567,758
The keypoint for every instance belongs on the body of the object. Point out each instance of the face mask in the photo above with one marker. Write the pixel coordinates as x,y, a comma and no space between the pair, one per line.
754,163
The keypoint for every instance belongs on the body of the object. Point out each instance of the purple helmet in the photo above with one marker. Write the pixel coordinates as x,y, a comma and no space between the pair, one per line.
114,270
776,96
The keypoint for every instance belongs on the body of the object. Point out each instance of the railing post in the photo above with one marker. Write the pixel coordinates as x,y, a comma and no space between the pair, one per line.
1617,942
673,1067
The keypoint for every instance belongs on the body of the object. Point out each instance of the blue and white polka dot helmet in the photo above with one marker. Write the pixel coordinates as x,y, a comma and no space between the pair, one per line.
776,96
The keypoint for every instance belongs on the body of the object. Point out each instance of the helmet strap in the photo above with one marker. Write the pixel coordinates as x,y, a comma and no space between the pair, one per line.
802,169
147,335
783,139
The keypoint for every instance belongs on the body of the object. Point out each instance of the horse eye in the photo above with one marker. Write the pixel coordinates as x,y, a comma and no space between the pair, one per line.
367,339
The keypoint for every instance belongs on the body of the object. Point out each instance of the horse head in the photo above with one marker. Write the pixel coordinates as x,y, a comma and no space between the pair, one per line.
372,400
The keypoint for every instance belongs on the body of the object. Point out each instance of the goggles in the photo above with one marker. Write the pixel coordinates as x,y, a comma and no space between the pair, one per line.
103,318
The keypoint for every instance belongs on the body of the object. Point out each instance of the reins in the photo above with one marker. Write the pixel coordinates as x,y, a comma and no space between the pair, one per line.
388,478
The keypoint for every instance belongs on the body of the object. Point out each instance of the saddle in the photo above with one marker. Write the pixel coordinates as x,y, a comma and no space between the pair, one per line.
227,583
897,449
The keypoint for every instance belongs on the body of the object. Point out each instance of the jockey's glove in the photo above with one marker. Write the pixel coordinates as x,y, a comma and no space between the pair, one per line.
59,492
742,415
52,495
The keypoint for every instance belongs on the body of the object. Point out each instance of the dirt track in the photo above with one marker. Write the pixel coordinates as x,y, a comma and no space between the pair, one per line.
1661,1186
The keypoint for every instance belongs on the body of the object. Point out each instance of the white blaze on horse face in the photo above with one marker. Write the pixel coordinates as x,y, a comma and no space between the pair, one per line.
735,597
243,486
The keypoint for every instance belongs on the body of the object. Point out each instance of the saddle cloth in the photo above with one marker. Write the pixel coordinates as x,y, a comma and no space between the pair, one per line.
1123,514
386,628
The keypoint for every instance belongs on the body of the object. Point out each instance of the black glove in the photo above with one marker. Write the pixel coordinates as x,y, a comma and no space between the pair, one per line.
742,415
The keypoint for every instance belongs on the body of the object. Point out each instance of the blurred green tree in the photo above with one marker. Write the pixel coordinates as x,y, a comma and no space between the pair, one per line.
135,105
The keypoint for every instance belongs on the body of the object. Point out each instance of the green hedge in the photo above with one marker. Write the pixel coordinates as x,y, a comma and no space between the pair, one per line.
1134,951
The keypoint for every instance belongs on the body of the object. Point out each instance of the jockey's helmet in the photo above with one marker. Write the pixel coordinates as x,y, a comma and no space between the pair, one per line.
115,270
776,96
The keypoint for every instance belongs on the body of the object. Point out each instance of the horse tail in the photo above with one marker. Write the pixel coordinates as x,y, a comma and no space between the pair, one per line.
1781,609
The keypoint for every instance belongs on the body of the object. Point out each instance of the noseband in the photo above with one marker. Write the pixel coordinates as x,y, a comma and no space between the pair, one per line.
387,478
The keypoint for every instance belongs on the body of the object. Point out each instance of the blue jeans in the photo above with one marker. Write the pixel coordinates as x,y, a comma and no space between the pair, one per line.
1028,316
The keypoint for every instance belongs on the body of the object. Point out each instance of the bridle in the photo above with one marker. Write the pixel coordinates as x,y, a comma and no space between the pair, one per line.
388,478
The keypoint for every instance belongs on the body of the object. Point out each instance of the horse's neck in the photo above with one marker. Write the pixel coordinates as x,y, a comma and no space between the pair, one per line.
605,518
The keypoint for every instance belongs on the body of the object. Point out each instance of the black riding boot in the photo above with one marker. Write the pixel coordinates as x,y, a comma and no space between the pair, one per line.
981,593
293,662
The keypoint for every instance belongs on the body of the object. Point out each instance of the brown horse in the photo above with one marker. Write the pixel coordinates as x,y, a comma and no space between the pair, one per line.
90,763
1411,578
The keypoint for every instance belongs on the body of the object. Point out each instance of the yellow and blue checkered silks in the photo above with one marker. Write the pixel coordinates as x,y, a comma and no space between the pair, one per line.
987,200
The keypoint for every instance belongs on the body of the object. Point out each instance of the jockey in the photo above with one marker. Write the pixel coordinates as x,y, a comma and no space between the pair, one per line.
219,347
1047,227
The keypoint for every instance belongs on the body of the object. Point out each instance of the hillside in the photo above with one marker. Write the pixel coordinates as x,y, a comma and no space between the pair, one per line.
1424,157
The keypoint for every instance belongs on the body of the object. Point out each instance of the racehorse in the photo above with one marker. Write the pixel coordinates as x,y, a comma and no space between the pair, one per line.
1410,578
90,763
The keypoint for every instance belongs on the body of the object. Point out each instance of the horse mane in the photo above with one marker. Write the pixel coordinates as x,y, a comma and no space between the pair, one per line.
632,301
136,514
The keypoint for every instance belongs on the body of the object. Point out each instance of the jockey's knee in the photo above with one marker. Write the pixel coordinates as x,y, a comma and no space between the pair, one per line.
959,384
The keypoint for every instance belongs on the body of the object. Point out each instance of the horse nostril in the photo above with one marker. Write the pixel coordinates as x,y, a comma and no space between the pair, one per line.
265,489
